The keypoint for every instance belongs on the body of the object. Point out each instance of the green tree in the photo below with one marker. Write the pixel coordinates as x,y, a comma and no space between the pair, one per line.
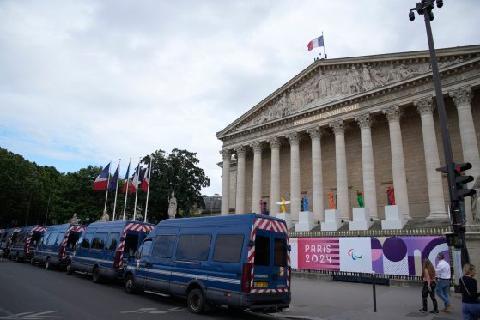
178,172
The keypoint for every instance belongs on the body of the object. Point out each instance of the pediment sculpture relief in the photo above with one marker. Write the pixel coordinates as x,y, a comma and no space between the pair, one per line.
332,85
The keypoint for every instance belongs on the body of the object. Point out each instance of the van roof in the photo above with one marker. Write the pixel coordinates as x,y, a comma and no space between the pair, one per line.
115,223
215,220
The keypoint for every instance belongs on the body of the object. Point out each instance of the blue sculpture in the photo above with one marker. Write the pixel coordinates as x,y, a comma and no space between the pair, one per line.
304,205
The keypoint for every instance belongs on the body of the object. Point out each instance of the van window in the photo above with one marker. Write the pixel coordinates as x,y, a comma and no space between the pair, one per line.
228,248
113,241
73,239
146,247
131,244
99,240
262,251
280,252
163,246
52,239
60,237
44,239
86,240
193,247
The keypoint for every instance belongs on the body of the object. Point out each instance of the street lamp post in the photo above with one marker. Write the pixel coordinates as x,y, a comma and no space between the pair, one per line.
425,8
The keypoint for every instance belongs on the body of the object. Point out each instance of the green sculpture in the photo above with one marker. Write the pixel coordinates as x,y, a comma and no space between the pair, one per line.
360,199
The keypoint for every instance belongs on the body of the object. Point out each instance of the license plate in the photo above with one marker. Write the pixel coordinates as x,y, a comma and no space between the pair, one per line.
260,284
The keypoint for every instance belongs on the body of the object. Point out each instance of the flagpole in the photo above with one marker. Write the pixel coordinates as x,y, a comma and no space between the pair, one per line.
126,194
148,189
324,52
106,190
116,192
136,191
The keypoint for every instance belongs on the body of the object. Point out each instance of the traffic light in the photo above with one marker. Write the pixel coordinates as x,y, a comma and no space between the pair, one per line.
461,180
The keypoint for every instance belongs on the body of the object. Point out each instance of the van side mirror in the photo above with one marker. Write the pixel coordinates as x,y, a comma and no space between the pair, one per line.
289,247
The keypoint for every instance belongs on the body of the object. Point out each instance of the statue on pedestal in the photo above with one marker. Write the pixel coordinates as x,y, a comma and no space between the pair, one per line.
390,196
331,201
283,203
304,206
360,199
172,206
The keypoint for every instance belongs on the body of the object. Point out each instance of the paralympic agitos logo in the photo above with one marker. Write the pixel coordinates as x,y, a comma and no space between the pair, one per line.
351,253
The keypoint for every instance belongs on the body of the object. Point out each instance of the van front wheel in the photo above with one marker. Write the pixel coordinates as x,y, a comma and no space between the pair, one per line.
96,277
196,301
130,286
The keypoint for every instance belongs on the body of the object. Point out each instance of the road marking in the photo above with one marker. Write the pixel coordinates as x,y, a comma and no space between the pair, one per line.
153,310
31,315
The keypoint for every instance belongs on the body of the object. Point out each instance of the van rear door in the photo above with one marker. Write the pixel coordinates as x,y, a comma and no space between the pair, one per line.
270,263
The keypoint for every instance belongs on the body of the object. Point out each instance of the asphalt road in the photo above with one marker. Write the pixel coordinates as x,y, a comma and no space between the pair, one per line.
30,292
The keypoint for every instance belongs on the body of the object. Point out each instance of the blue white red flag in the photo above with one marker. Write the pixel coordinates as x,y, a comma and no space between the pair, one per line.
133,182
101,180
112,185
128,171
145,180
317,42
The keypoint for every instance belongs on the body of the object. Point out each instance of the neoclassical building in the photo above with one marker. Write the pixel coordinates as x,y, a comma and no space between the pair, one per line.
355,125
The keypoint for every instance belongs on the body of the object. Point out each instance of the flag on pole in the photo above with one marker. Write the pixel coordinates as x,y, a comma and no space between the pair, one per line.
101,181
132,187
112,185
127,182
145,179
317,42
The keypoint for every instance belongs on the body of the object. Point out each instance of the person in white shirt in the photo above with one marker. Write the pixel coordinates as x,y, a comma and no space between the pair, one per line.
443,283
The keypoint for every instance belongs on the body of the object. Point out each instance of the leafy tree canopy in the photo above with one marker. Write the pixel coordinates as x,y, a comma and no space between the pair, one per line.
32,194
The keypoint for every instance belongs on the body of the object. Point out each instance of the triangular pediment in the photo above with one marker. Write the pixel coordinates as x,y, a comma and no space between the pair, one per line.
327,82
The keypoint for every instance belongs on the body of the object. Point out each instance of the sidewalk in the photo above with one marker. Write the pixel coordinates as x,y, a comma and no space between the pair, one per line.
326,299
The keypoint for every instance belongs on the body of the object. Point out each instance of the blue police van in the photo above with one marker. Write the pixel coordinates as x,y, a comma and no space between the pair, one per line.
9,237
57,244
25,241
106,247
241,261
5,241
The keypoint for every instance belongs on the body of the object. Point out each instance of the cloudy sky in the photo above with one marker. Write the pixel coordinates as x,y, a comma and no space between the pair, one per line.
85,82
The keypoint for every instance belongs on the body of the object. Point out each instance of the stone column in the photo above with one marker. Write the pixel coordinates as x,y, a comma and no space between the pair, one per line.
398,162
294,175
317,175
368,166
226,155
257,177
240,196
274,176
462,98
436,200
343,201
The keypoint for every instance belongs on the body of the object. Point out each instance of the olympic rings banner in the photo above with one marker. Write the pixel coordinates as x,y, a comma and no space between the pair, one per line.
401,255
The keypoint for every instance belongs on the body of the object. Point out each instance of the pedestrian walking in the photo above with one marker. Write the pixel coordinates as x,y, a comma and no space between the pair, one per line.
468,287
443,281
429,285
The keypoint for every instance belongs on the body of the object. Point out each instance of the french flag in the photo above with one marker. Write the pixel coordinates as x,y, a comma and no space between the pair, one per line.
101,182
145,180
317,42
